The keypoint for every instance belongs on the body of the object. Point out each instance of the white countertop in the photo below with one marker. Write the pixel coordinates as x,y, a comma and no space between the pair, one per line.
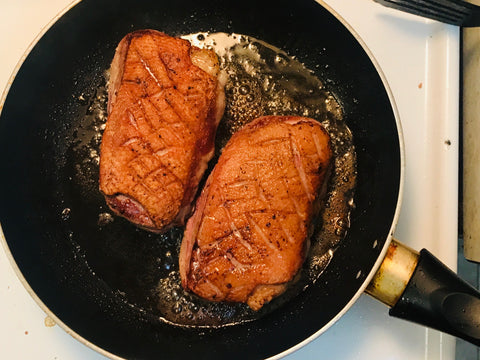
420,60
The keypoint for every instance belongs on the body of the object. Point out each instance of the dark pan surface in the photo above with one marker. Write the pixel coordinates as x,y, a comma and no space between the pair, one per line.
51,225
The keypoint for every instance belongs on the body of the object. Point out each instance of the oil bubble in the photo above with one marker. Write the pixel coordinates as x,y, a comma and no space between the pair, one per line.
193,307
244,89
177,308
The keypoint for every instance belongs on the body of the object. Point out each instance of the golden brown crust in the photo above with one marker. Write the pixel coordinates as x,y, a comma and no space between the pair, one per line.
160,129
249,234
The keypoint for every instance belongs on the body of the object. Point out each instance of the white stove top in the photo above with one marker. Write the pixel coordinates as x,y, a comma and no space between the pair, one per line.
420,60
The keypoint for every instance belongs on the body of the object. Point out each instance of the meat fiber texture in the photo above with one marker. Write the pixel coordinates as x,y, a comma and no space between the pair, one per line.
164,104
249,234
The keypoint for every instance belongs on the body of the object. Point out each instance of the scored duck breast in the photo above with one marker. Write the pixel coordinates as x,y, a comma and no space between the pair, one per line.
165,100
249,233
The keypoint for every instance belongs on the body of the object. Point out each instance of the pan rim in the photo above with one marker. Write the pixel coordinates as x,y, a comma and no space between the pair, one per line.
360,290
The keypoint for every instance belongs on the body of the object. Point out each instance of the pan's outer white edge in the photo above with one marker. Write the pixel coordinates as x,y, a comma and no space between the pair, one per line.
400,193
14,265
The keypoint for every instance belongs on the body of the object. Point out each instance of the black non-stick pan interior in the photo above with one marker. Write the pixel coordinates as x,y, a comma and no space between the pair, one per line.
50,203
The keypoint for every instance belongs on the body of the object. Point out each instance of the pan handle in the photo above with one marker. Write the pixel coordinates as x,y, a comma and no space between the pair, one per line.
433,295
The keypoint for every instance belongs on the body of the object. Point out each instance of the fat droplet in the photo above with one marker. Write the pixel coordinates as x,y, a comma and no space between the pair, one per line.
175,295
49,322
82,99
281,59
66,213
104,219
351,203
359,273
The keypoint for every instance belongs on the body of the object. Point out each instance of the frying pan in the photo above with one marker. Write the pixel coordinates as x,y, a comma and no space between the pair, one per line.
43,110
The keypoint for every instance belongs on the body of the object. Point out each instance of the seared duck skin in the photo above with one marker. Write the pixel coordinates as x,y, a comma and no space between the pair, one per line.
164,105
249,233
